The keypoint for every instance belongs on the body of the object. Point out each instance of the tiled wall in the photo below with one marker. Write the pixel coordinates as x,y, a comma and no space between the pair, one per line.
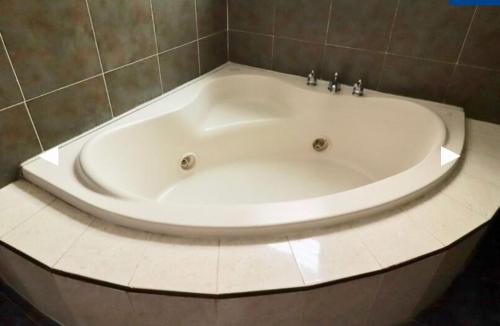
69,65
418,48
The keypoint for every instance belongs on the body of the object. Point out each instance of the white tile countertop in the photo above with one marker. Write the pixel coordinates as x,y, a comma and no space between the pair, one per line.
68,240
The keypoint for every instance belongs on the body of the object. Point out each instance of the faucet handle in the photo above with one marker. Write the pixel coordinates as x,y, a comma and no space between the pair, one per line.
358,88
311,79
334,84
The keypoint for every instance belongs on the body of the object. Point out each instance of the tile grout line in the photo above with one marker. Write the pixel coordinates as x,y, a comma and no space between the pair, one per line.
323,54
387,47
146,245
367,248
227,30
11,106
212,34
373,300
22,92
369,50
197,34
38,211
466,35
99,57
156,44
424,227
466,205
457,62
63,87
249,32
219,245
73,243
295,260
130,63
101,74
273,36
131,302
409,215
176,47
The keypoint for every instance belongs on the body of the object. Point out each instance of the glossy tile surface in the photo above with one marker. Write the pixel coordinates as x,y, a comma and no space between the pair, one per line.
179,66
415,78
296,57
445,218
482,138
252,15
18,202
453,263
124,33
251,49
280,309
178,265
106,252
333,255
33,239
400,291
352,65
353,301
18,141
85,302
362,24
212,16
9,90
133,85
34,31
213,51
253,266
482,95
473,297
302,19
70,111
482,166
175,22
482,197
404,238
430,29
481,47
152,310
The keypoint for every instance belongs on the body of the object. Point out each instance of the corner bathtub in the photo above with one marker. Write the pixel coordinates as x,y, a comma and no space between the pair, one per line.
231,154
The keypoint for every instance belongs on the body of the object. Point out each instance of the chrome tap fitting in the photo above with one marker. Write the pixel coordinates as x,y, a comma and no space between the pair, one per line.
334,85
311,79
358,88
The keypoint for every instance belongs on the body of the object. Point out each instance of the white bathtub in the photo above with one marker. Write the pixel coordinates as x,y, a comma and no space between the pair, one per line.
251,133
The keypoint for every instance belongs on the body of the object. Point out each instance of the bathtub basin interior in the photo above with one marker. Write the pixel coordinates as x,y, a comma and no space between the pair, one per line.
234,151
253,143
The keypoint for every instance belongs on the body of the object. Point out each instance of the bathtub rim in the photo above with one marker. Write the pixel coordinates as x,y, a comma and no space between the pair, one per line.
34,169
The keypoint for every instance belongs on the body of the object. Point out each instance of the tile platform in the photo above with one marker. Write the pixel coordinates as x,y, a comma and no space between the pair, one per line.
52,249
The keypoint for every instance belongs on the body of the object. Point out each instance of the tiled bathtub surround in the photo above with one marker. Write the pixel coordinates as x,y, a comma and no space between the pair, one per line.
419,48
67,66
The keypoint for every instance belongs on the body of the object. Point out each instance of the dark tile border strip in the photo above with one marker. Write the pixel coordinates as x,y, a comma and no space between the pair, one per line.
250,293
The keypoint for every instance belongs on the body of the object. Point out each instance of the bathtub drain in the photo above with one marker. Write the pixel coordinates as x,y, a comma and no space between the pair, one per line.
188,161
320,144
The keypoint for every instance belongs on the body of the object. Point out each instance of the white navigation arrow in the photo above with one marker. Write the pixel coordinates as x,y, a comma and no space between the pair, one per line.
51,156
447,156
